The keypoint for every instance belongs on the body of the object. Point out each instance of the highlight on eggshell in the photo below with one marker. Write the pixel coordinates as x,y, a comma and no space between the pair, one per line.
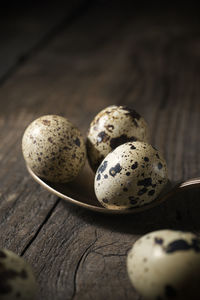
54,148
165,264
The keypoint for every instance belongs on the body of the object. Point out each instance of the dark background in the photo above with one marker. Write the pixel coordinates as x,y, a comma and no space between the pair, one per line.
74,59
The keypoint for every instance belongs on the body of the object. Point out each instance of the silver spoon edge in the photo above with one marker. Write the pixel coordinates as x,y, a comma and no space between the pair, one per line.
162,197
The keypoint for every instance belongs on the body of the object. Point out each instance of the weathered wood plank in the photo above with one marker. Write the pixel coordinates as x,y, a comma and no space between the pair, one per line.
82,255
24,26
22,210
132,68
111,55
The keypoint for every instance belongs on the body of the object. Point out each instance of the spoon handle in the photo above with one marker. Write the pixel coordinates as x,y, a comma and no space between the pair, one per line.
190,183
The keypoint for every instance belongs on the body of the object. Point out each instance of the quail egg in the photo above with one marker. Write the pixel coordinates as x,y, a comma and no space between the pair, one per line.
53,148
165,264
132,175
16,278
113,126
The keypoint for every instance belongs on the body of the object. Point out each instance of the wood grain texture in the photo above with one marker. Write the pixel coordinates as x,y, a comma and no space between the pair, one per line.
23,210
113,54
24,27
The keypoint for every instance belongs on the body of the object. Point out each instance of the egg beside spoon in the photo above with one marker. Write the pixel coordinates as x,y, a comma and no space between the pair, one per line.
165,264
17,280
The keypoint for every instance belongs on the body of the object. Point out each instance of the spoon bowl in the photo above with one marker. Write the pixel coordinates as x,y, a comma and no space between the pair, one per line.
80,192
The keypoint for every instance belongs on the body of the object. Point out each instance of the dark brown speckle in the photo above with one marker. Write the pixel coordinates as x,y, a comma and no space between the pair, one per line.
142,191
98,177
77,142
102,167
114,170
105,200
46,122
158,240
50,140
151,192
115,142
102,137
110,127
134,166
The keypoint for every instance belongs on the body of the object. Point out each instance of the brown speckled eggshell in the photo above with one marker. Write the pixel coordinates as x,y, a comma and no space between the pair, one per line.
53,148
16,278
132,175
113,126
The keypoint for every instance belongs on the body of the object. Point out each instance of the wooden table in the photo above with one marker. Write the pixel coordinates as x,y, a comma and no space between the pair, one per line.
74,60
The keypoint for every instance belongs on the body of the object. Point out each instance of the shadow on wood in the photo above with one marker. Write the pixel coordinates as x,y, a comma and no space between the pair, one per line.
180,212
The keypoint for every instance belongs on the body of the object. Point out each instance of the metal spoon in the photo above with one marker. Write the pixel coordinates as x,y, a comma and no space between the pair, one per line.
81,192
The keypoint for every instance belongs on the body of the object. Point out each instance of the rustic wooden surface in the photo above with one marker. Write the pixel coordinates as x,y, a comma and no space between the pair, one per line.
74,61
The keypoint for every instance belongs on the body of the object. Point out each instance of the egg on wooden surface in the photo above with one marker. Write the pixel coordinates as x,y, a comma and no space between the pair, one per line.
113,126
16,278
165,264
54,148
132,175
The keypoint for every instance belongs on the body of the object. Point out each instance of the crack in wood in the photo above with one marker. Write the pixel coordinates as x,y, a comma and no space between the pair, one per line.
105,245
111,254
40,227
85,253
103,65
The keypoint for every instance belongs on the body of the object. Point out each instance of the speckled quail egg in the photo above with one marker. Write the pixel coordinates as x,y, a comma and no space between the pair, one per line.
53,148
132,175
113,126
16,278
165,264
